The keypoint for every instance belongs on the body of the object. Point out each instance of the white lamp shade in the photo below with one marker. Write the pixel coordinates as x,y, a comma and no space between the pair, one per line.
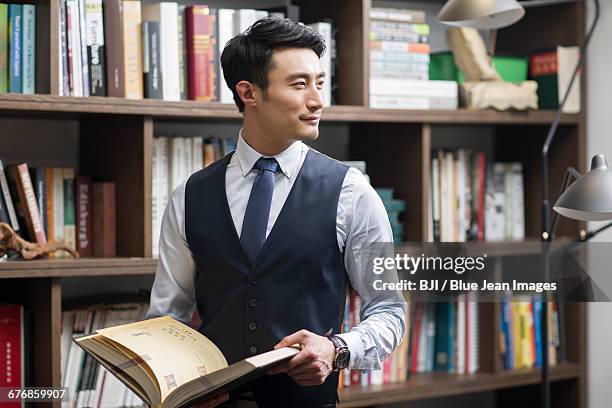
481,14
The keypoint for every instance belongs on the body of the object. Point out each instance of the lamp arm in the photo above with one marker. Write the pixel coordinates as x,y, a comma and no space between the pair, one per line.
571,174
586,235
555,124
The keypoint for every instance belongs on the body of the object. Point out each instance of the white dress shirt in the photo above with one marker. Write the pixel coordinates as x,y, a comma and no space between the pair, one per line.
361,218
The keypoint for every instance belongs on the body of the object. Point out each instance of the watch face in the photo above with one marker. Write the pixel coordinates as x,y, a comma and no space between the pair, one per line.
342,359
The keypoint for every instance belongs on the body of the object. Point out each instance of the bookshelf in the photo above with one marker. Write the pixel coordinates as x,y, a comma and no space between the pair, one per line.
114,140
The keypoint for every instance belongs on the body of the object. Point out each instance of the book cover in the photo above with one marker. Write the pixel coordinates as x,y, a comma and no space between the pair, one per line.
132,51
28,207
69,210
202,53
195,370
15,41
151,58
104,218
167,15
28,55
94,29
4,42
113,39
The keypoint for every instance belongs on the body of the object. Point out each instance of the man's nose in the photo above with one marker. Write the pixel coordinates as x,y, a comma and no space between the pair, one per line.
315,98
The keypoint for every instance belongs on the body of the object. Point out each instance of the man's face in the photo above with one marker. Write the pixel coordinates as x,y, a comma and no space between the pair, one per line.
292,107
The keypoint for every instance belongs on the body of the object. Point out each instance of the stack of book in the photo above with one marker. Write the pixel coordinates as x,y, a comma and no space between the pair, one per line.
521,337
50,204
18,48
394,207
88,383
473,201
399,63
174,160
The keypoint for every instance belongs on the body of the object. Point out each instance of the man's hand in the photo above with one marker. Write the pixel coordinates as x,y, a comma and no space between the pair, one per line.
313,363
213,402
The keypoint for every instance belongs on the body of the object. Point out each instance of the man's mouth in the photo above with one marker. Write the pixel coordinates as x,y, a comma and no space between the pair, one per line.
313,119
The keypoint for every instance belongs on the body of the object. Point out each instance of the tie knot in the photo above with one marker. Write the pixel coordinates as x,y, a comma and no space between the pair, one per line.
269,164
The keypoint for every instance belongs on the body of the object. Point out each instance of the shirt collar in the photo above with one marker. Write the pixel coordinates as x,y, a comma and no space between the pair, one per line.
287,160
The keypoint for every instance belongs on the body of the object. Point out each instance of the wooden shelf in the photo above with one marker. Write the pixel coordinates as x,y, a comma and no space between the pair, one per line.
441,385
63,268
216,111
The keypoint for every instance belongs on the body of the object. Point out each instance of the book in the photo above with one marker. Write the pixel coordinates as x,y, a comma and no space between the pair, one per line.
94,25
203,66
194,371
104,218
28,50
132,53
151,58
4,35
81,33
552,69
115,68
15,41
167,15
69,210
225,32
84,216
27,205
182,43
12,356
8,200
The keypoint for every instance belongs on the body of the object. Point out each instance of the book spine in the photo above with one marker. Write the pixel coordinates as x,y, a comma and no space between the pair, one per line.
58,207
38,180
151,57
104,219
15,40
115,71
82,34
155,193
411,16
225,31
74,48
8,201
63,58
12,353
49,205
439,89
95,47
28,56
27,197
197,158
4,36
201,50
182,44
132,52
69,210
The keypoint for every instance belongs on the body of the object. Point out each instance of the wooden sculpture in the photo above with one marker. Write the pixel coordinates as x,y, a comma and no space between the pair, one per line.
9,240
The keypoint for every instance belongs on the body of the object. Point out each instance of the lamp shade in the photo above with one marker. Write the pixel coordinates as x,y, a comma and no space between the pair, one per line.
590,197
481,14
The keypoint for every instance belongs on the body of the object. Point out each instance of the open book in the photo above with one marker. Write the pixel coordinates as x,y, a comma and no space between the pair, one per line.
168,364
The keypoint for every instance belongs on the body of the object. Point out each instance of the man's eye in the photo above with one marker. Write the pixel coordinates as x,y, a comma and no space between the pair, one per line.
299,84
320,84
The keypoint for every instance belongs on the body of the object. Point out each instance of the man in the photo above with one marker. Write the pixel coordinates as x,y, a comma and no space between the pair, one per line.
264,239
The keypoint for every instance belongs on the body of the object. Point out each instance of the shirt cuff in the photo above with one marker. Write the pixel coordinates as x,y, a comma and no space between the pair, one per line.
355,346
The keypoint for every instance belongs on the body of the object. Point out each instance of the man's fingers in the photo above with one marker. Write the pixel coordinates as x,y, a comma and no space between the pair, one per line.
303,357
296,338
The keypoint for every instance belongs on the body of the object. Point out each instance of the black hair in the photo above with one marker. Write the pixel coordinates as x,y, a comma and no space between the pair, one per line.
248,56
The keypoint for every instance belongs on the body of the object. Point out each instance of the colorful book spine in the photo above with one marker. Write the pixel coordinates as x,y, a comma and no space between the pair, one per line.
115,68
132,43
95,47
12,353
15,41
49,205
27,199
28,56
4,42
8,201
202,53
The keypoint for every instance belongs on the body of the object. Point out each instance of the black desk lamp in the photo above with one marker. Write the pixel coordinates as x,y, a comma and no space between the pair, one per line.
590,197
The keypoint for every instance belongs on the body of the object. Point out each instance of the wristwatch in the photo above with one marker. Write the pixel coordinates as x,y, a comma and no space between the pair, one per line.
343,355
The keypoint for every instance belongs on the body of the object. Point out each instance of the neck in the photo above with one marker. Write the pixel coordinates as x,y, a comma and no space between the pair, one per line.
262,141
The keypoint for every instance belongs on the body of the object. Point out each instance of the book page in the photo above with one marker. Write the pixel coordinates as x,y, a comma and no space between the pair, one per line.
175,352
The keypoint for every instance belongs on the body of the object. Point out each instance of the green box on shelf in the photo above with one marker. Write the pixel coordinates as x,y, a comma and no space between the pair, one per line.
511,69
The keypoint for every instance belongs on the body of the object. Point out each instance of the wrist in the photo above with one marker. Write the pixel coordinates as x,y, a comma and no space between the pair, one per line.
341,353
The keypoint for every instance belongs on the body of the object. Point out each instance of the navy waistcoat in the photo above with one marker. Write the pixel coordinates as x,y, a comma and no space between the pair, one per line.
297,282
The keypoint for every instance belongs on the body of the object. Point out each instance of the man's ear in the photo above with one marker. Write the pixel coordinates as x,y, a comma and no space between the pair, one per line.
248,93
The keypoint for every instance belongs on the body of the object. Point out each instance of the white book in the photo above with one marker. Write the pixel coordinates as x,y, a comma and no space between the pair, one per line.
66,340
449,200
422,350
83,43
474,344
167,15
413,102
413,87
461,369
187,158
243,19
176,156
325,29
495,200
155,195
518,202
164,173
225,24
376,377
567,58
74,46
197,161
